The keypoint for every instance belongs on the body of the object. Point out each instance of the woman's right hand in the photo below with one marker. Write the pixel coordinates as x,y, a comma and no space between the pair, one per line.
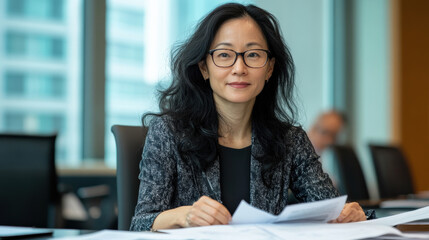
205,212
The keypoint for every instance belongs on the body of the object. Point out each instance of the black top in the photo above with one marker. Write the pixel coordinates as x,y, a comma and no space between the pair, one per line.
234,176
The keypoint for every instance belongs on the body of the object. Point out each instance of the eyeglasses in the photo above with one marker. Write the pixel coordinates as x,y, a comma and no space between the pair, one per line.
254,58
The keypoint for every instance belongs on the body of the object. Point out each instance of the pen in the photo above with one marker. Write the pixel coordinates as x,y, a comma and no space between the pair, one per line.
210,186
206,179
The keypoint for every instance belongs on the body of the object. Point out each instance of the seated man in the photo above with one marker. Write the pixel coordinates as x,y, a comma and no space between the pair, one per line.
324,133
325,130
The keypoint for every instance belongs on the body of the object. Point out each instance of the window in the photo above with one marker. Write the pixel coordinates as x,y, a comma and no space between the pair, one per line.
13,121
128,52
42,9
14,83
41,84
24,43
126,17
40,74
32,85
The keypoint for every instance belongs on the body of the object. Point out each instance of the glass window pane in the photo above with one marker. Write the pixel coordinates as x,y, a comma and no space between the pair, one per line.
40,9
15,7
13,121
41,73
57,48
15,43
56,10
27,44
34,85
14,83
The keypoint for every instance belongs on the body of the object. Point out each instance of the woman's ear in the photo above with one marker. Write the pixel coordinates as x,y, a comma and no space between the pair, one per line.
203,69
270,69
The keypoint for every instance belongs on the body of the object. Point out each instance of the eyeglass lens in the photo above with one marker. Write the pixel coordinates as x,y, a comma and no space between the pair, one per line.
252,58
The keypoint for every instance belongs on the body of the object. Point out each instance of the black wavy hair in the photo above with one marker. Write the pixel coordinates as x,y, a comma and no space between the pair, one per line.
189,103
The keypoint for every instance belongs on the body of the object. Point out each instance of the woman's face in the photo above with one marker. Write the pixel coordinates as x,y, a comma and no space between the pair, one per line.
238,83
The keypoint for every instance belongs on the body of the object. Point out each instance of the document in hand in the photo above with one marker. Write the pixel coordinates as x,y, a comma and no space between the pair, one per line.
319,211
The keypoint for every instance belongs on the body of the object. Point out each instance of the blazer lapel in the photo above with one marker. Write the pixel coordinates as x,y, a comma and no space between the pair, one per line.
257,192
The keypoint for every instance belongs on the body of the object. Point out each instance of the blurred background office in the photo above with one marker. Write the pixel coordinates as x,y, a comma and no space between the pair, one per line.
77,67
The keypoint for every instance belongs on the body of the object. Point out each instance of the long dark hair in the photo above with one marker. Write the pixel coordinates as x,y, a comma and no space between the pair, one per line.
188,101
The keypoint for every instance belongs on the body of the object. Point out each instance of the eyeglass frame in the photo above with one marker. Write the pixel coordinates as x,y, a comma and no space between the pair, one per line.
269,56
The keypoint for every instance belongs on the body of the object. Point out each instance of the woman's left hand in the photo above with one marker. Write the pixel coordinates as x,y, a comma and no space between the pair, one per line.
352,212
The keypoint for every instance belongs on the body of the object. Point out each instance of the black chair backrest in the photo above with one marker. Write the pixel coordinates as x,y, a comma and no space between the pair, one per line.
393,175
129,146
28,180
351,179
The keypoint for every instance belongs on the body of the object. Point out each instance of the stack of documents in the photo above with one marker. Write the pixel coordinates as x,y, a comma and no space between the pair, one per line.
296,231
299,221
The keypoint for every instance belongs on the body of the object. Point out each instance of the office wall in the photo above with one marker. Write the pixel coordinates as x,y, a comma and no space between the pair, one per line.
363,84
413,87
306,28
372,81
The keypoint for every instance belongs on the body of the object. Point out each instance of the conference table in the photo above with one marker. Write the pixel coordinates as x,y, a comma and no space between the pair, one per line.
418,227
413,228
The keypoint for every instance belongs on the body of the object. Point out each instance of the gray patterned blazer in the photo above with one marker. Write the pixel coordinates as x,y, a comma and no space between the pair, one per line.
167,182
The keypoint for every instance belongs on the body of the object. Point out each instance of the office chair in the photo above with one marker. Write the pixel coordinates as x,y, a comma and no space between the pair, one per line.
28,180
393,175
351,179
129,146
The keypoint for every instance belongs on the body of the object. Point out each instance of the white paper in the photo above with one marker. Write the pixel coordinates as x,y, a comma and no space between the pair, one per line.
124,235
419,214
247,214
319,211
225,232
295,231
403,236
328,231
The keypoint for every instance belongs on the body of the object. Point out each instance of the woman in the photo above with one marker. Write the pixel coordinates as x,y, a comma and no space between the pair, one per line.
225,131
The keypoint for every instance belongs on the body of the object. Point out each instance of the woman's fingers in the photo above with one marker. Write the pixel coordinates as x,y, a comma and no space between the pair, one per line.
207,211
352,212
195,219
215,209
199,216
